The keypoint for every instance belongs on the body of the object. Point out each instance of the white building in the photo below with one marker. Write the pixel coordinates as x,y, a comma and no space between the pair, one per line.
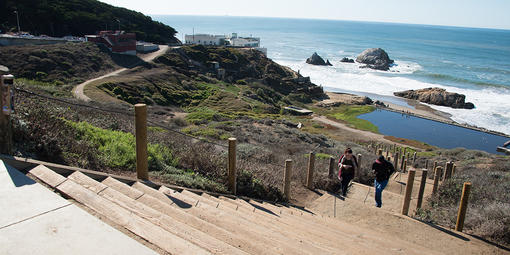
205,39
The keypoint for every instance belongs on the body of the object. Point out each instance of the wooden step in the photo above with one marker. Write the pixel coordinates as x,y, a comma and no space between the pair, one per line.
336,234
234,223
252,246
274,225
139,226
182,230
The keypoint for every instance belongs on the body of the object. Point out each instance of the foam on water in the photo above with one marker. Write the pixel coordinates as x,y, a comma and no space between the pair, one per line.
492,104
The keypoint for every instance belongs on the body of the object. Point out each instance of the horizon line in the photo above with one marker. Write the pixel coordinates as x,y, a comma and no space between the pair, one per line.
332,19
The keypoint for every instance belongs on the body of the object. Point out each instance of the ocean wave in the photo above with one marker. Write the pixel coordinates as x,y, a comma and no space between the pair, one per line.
492,102
450,78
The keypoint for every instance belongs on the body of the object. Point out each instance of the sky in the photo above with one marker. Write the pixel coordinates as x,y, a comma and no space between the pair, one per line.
464,13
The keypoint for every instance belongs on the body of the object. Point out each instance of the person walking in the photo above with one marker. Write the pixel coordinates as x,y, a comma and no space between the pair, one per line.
347,166
382,170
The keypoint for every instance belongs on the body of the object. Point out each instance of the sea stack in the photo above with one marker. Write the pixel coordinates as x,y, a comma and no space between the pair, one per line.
347,60
315,59
375,58
437,96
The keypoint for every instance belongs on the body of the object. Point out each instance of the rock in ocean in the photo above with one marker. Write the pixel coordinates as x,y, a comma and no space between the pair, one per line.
375,58
437,96
315,59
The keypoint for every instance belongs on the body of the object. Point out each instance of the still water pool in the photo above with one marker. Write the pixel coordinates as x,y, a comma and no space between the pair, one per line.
432,132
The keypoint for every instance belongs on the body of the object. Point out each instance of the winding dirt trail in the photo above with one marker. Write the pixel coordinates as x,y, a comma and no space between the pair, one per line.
78,90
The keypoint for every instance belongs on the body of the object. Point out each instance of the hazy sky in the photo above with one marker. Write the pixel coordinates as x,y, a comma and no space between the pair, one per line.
467,13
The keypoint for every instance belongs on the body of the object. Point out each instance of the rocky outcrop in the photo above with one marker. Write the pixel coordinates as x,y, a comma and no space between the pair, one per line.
437,96
347,60
315,59
375,58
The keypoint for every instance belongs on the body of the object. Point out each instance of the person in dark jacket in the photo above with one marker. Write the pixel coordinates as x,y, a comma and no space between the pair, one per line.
347,166
382,170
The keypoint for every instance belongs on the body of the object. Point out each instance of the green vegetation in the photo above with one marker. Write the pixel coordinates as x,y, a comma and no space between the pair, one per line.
118,148
80,17
62,64
349,114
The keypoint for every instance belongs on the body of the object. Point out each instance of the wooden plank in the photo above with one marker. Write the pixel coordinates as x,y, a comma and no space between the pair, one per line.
87,182
47,175
141,227
122,187
236,239
180,229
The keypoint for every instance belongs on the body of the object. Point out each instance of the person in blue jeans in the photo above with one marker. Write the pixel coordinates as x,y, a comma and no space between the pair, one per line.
382,170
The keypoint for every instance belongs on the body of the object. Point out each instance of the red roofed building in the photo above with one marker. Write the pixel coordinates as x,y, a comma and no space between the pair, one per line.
117,41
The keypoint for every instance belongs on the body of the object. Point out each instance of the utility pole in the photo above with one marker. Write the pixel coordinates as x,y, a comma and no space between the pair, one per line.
17,20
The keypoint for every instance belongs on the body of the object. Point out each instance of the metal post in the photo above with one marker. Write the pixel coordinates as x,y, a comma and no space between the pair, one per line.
286,178
461,215
409,191
17,20
232,165
141,141
311,166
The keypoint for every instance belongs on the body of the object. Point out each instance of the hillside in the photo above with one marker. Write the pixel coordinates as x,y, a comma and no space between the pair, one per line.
186,77
62,64
80,17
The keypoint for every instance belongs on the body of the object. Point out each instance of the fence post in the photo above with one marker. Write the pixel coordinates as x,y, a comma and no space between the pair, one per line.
379,152
402,163
359,167
414,157
404,169
311,166
286,178
463,206
454,169
435,165
448,171
396,161
409,191
427,164
422,188
141,141
232,182
332,167
437,174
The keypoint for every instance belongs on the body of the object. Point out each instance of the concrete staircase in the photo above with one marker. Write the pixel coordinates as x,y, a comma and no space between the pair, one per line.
192,223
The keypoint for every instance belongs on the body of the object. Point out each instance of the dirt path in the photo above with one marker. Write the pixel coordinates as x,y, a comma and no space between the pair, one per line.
358,133
78,90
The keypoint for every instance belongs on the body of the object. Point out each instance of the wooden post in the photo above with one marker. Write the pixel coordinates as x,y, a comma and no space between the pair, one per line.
405,151
427,164
463,206
311,166
358,171
414,157
387,153
142,171
6,84
402,163
454,169
422,188
448,171
332,167
232,181
379,152
396,161
404,169
437,175
409,191
286,178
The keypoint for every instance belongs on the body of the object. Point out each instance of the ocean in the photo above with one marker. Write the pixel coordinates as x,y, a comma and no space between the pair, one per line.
471,61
